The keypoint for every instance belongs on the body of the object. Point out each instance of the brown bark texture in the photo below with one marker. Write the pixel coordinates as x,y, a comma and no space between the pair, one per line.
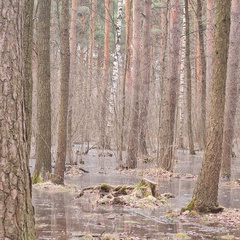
189,81
16,210
206,190
169,107
43,134
145,71
132,149
231,90
58,177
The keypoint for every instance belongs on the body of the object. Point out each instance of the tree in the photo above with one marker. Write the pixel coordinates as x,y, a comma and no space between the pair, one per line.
73,66
206,190
132,149
145,75
58,177
170,99
189,82
203,70
43,135
28,85
16,214
103,140
231,90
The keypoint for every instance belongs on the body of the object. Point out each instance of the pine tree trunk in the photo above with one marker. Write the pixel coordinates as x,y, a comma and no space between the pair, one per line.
28,84
16,210
132,149
43,135
145,71
231,90
58,177
189,82
206,190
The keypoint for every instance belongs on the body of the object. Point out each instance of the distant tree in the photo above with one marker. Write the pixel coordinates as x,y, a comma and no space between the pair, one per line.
203,70
17,213
43,134
231,90
132,149
72,77
145,75
189,81
103,140
28,84
206,190
170,88
58,177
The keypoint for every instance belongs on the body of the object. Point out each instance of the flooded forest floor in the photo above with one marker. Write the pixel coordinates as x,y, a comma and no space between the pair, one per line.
61,215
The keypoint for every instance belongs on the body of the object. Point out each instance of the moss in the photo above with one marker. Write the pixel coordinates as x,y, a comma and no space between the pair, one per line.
105,187
189,207
36,179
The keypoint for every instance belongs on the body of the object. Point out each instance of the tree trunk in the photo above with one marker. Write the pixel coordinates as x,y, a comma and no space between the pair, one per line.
16,210
203,71
167,129
145,70
28,84
189,82
132,149
73,72
206,190
231,90
58,177
103,140
43,138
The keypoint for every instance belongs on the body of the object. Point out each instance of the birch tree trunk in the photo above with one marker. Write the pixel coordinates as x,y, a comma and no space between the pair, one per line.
231,90
116,73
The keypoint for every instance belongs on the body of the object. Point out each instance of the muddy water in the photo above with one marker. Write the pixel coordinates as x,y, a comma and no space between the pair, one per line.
61,216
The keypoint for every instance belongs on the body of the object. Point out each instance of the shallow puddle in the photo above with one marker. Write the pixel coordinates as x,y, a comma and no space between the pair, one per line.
59,215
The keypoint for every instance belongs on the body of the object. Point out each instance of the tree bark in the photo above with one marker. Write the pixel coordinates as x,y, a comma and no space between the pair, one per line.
168,115
206,190
43,135
58,177
132,149
16,210
189,82
28,84
231,90
145,70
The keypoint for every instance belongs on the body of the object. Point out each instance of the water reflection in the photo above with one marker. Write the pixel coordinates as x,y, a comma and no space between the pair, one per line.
60,216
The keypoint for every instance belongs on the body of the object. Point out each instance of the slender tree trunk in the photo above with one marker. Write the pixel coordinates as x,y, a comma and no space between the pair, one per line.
145,70
73,72
58,177
206,190
167,134
126,75
16,210
28,84
189,82
43,139
103,139
203,70
231,90
132,149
